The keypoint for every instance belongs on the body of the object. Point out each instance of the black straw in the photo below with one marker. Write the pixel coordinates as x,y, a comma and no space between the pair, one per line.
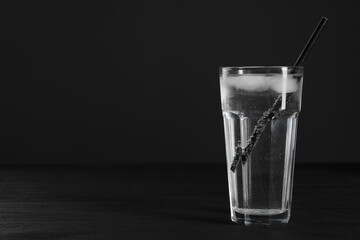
273,112
311,41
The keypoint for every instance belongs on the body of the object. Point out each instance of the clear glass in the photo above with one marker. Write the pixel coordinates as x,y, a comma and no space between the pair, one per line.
260,188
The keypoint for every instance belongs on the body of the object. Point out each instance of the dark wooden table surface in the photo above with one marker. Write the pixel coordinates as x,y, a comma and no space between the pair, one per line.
166,202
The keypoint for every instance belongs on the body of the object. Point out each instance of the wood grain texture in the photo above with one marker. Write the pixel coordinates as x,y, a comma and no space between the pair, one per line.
166,202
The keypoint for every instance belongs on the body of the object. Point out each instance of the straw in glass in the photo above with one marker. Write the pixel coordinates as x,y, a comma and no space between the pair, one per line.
273,112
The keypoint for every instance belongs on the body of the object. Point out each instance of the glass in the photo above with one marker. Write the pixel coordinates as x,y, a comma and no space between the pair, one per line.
260,188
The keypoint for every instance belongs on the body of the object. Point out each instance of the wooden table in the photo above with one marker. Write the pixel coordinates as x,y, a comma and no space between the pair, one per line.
166,202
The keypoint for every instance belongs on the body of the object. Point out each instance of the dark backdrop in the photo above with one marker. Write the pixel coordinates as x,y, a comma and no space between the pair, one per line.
137,81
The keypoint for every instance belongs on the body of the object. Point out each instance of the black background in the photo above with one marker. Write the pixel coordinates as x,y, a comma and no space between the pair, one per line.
137,81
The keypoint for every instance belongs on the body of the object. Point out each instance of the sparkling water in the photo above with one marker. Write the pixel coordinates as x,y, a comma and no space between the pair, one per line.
261,186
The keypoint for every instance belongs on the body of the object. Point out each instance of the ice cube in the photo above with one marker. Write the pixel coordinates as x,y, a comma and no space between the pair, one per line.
257,83
276,84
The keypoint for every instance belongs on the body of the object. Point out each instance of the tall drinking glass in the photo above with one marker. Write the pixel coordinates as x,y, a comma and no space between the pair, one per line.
260,188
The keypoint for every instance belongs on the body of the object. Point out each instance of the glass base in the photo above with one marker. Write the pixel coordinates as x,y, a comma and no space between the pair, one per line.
253,217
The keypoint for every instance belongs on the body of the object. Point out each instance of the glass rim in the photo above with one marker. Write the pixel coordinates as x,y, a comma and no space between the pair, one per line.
261,67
